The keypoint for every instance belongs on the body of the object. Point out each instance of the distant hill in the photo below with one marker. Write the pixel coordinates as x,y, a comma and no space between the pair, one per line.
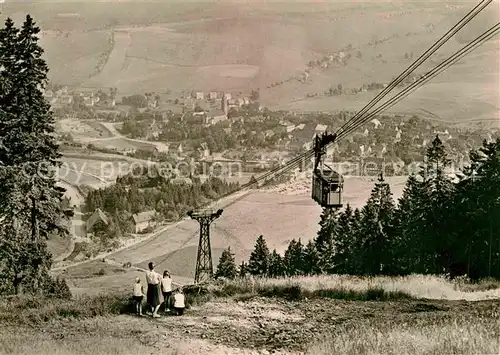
159,46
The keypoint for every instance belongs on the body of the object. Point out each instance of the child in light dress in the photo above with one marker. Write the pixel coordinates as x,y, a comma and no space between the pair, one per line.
138,296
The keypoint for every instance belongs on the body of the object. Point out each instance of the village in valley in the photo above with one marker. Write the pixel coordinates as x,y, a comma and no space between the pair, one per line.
222,178
231,131
250,132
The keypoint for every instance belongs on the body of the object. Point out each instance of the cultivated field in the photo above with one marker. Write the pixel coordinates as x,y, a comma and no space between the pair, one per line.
114,62
212,48
74,56
442,99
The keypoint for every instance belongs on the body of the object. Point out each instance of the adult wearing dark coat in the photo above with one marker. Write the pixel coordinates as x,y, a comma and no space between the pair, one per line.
154,295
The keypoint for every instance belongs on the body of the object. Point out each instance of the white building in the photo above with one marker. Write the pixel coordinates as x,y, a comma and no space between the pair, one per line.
144,220
161,147
320,129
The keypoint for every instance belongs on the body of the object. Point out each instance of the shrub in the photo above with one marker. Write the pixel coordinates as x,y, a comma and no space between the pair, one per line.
35,310
58,288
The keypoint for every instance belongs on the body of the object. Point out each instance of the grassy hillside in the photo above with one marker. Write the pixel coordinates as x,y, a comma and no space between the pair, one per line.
160,46
320,315
280,215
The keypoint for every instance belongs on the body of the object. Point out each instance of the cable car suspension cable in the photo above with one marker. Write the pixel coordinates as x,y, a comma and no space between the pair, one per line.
464,21
354,121
270,175
485,36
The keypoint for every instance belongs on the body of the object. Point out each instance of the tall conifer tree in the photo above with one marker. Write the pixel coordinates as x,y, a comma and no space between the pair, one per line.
377,217
438,190
276,268
324,242
226,266
343,242
258,264
408,221
311,260
28,151
293,259
477,206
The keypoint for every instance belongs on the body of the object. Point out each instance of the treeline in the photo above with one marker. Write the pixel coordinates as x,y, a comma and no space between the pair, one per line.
438,226
171,198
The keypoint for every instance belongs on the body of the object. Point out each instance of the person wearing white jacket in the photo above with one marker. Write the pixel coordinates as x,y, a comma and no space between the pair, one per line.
179,302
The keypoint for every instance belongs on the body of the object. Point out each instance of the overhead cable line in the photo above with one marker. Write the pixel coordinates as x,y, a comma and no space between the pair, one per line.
271,175
421,81
464,21
485,36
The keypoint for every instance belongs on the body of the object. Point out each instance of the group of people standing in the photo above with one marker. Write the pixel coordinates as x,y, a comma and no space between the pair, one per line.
159,292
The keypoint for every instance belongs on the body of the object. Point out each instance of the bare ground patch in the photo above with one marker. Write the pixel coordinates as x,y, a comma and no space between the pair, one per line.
81,130
263,326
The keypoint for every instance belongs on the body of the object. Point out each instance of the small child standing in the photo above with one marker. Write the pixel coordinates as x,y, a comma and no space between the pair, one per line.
138,296
166,288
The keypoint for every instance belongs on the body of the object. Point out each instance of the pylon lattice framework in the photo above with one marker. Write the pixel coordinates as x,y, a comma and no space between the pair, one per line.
204,267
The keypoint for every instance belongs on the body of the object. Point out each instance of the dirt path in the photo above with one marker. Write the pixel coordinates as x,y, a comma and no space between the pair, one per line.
76,234
264,326
76,199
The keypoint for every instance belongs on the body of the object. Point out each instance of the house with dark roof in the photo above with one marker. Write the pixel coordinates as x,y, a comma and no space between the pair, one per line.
144,220
97,217
303,135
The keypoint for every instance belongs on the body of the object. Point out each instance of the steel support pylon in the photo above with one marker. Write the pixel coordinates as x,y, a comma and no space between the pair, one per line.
204,267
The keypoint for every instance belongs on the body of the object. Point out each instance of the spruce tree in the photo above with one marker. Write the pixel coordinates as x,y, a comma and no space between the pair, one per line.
311,261
327,227
354,265
324,240
227,266
343,242
438,190
408,239
243,269
28,151
293,259
477,205
378,231
276,268
258,263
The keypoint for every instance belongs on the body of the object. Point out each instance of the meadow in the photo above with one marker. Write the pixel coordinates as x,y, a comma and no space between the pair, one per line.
239,47
319,315
74,56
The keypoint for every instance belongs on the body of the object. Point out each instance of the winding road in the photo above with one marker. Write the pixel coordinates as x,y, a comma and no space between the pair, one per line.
165,241
161,247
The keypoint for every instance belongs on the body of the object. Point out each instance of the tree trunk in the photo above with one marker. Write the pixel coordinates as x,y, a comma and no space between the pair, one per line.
490,245
18,278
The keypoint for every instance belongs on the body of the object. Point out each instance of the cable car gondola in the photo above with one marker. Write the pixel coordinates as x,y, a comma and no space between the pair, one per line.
327,184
